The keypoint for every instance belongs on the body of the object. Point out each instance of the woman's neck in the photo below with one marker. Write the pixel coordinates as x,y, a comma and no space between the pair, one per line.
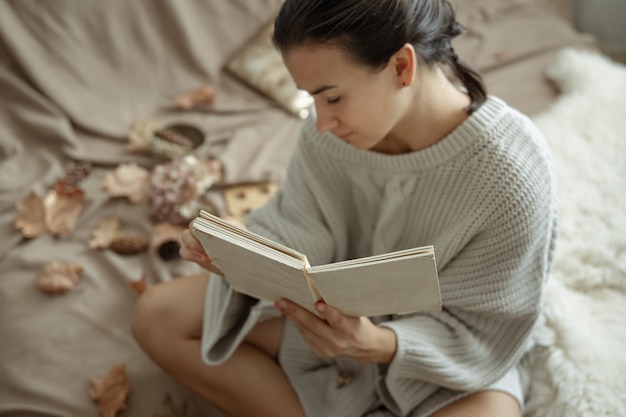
434,110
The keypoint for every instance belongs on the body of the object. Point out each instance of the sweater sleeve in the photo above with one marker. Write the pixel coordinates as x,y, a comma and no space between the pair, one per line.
492,292
291,217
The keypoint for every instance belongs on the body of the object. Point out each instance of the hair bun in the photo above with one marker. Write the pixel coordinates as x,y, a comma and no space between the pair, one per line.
455,29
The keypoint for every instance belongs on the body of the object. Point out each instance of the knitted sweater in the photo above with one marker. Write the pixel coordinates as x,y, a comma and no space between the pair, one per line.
484,196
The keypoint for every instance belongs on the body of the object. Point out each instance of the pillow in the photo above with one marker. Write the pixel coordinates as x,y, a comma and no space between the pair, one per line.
260,65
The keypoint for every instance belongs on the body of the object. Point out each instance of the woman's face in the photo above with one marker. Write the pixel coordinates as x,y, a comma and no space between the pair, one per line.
357,105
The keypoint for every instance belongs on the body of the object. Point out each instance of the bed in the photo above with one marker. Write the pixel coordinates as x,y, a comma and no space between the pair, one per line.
76,77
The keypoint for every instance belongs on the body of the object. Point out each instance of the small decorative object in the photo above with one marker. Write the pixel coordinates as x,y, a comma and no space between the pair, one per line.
59,277
169,250
166,240
176,140
127,180
261,66
110,392
127,244
203,95
177,187
241,199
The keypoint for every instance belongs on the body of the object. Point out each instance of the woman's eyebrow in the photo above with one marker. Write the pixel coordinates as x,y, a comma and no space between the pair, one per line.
321,89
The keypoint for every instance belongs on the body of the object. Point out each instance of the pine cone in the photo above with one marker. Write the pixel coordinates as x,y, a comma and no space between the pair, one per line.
76,174
129,244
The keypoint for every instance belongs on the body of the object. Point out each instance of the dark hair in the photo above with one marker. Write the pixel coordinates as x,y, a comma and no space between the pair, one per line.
371,31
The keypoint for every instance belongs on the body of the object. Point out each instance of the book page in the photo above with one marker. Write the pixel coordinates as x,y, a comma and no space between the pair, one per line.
234,234
424,251
253,268
396,285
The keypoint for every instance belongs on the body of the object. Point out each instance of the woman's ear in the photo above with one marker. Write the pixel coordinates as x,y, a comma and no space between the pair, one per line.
404,64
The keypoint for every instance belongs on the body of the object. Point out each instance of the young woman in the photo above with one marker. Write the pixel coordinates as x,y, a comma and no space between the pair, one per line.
394,156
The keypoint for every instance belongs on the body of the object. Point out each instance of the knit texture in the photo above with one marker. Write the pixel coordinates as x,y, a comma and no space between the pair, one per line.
484,196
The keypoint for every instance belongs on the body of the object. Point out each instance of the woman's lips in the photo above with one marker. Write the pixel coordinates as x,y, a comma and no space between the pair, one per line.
345,136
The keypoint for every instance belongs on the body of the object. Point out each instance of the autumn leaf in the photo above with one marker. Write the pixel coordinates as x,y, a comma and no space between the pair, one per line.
140,135
63,206
104,233
140,286
128,180
59,277
204,94
31,220
110,392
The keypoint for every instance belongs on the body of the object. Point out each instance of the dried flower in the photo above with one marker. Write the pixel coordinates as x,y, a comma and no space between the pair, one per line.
175,187
128,180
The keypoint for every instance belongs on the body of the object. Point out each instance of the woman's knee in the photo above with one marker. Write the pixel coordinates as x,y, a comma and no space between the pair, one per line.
151,309
168,310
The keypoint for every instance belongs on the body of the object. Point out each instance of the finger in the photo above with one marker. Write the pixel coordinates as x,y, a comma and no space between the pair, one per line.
191,255
306,319
189,239
333,317
317,344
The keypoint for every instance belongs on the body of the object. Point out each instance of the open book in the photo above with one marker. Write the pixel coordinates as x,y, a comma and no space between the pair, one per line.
393,283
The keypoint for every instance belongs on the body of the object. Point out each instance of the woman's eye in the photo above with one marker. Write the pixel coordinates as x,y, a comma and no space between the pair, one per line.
334,100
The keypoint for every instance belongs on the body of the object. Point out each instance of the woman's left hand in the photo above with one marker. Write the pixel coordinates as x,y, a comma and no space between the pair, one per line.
337,335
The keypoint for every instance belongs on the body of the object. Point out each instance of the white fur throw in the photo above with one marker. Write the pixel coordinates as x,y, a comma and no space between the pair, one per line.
579,367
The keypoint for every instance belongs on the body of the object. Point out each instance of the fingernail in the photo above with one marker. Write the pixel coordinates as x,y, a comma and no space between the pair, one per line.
281,304
320,307
200,258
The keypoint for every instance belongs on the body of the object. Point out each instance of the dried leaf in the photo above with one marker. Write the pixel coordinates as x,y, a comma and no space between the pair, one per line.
63,206
110,392
140,134
128,180
205,94
59,277
104,233
140,286
126,244
31,220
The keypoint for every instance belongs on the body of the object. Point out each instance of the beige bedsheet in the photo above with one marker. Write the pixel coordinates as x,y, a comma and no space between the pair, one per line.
74,76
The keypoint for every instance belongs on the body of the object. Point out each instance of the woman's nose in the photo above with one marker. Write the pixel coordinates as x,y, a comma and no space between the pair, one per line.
325,120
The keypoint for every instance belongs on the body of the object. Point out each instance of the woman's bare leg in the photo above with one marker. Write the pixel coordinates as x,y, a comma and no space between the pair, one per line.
483,404
168,324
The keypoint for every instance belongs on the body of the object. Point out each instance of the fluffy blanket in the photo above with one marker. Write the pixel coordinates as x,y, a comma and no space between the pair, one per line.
579,367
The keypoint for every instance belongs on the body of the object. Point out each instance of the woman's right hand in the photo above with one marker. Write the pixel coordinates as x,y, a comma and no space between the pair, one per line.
192,250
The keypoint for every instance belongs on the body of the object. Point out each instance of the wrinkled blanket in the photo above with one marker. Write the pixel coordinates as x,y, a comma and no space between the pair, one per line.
74,77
